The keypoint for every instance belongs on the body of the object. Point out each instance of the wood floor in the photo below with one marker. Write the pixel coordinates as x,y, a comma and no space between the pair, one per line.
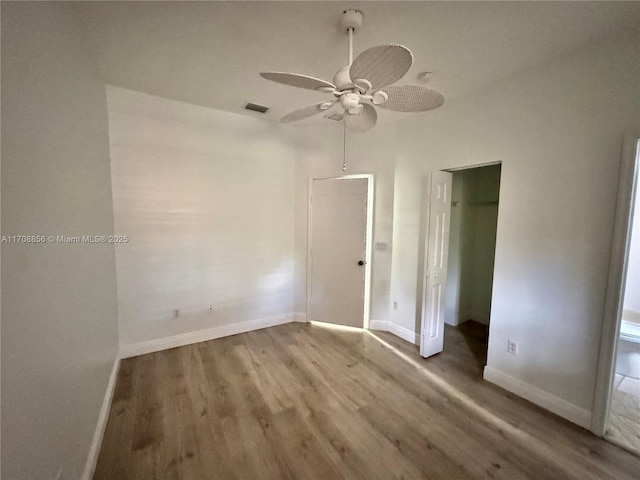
308,402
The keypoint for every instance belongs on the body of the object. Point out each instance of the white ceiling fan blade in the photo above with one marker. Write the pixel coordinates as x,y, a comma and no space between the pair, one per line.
363,121
306,112
297,80
411,98
382,65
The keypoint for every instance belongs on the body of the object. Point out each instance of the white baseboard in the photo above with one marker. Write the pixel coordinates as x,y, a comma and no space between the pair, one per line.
397,330
150,346
579,416
404,333
300,317
94,450
379,325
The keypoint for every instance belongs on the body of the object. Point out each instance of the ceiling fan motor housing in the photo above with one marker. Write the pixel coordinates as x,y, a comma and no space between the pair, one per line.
342,80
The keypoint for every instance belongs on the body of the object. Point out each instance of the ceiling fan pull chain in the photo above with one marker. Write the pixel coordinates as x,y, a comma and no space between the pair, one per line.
344,143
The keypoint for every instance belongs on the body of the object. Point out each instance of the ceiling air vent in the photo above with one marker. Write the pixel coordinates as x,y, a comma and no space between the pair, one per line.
254,107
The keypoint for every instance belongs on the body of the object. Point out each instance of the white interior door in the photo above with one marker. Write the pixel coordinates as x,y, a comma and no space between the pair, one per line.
338,250
435,263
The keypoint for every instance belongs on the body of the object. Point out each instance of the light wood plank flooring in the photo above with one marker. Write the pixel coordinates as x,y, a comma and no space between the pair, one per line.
308,402
624,417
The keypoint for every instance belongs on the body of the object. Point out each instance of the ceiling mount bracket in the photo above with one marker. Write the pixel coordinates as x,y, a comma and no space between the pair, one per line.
351,20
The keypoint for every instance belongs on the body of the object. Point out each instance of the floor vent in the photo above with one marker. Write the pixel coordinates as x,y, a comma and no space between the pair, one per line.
254,107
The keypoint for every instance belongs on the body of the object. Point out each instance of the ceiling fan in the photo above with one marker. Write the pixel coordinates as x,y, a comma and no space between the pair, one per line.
364,83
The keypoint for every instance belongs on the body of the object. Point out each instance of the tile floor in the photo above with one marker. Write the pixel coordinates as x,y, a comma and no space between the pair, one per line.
624,418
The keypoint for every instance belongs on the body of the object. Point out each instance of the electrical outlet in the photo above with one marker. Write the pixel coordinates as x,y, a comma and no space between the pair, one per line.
210,309
512,347
175,313
395,305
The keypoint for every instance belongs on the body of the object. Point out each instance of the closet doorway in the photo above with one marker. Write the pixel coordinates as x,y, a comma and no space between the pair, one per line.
472,244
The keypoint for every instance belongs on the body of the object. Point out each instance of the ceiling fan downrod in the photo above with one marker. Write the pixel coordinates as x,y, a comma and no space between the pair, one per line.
350,21
350,32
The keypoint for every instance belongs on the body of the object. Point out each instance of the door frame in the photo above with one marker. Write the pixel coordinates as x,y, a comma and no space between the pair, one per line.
368,240
424,215
628,186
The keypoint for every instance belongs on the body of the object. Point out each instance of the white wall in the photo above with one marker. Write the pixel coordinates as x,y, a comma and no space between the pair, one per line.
406,262
59,318
557,130
206,198
319,153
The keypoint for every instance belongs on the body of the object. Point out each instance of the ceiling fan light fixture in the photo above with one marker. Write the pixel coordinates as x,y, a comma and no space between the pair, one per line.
350,100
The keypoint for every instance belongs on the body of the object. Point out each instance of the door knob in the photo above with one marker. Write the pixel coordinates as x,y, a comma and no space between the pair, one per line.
360,263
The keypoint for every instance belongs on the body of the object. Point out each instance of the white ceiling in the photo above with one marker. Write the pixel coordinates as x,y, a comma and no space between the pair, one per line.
210,53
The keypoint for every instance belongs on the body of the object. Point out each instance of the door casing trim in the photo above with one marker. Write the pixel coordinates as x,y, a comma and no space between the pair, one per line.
614,299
